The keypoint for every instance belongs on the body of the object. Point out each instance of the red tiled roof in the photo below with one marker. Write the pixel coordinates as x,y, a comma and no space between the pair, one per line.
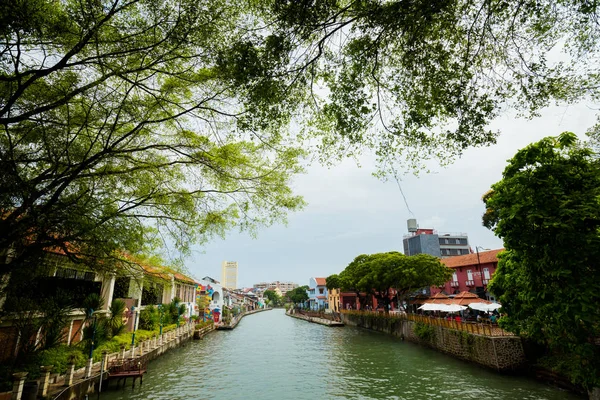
321,281
321,297
471,259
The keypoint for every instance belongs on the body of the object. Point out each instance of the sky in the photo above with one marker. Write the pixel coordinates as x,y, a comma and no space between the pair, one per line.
350,212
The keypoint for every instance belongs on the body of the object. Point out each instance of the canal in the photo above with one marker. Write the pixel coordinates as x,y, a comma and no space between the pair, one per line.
272,356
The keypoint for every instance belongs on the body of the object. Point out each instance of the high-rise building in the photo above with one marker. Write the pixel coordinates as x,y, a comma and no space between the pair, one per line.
229,273
283,286
428,241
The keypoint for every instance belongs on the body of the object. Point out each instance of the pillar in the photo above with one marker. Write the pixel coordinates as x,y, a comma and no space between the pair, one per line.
105,360
69,375
88,367
18,384
43,390
122,351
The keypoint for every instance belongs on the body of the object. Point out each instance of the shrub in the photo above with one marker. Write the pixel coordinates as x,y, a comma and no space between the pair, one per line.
424,331
149,318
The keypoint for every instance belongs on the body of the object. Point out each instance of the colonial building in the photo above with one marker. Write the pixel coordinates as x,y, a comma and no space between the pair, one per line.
317,293
471,273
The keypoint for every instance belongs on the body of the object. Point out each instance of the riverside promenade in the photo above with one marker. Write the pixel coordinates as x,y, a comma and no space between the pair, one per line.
312,318
77,384
234,321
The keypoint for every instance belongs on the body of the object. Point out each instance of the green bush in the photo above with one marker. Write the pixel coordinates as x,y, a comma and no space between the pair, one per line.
149,318
424,331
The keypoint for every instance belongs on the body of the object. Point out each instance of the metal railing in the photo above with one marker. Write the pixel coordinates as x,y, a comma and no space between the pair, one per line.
477,328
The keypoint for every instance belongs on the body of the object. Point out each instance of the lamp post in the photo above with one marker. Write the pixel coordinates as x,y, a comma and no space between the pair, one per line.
93,334
161,312
134,312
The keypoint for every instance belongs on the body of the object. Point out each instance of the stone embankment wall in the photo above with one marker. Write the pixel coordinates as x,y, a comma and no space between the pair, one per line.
502,353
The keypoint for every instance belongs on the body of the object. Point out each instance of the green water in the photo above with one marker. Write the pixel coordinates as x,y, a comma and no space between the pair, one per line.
272,356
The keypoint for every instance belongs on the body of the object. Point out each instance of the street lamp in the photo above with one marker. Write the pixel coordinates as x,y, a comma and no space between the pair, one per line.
133,311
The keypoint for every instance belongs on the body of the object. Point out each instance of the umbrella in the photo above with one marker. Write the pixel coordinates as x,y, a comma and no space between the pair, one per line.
430,307
485,307
452,308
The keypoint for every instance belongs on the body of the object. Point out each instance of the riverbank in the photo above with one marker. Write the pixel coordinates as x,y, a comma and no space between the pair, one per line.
237,319
316,320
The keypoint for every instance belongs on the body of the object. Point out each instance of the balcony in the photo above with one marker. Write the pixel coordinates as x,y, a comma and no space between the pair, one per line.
454,284
470,283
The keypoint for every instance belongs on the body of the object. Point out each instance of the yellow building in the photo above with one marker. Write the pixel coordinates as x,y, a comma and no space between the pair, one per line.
333,300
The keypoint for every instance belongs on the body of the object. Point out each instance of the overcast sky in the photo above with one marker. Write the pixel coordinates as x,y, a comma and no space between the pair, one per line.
350,212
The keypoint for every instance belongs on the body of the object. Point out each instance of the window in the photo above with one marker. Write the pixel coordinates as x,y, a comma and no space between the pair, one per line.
454,277
486,273
321,291
469,275
457,241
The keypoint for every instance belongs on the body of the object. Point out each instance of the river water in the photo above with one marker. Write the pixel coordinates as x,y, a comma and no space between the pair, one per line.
272,356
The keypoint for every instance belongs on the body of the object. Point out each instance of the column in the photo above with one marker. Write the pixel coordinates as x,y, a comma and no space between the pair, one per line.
122,352
88,367
43,390
69,375
18,383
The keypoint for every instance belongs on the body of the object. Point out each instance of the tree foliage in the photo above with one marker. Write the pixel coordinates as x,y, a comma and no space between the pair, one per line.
298,295
274,299
419,79
545,209
384,275
124,126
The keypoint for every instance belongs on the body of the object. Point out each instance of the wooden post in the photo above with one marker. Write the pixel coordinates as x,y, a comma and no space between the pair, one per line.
18,384
43,390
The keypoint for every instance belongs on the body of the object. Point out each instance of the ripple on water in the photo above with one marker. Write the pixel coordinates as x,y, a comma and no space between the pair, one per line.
271,356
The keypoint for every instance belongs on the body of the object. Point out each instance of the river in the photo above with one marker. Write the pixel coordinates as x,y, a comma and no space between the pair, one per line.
272,356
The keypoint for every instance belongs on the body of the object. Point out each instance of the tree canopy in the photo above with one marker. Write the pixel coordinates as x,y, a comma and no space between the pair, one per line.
546,211
273,297
130,123
420,79
298,295
384,275
125,126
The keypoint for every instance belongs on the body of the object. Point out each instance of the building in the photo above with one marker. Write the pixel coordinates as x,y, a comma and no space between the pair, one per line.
284,287
209,295
229,274
429,241
472,273
317,293
138,285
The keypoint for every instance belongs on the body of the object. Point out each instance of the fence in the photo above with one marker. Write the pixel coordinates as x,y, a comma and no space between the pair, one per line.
478,328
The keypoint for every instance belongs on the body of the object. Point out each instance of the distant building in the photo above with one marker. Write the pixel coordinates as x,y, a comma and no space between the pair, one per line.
229,273
429,241
284,287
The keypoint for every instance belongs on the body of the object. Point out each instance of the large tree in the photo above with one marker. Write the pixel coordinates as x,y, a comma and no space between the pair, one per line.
126,124
546,210
384,275
422,79
298,295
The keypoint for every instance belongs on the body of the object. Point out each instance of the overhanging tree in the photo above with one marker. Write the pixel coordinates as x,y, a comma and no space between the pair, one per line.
125,125
421,79
546,210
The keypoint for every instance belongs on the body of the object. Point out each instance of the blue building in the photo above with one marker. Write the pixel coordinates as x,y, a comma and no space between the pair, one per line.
317,293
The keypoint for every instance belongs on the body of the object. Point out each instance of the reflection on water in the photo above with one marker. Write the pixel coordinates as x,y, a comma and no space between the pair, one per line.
271,356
